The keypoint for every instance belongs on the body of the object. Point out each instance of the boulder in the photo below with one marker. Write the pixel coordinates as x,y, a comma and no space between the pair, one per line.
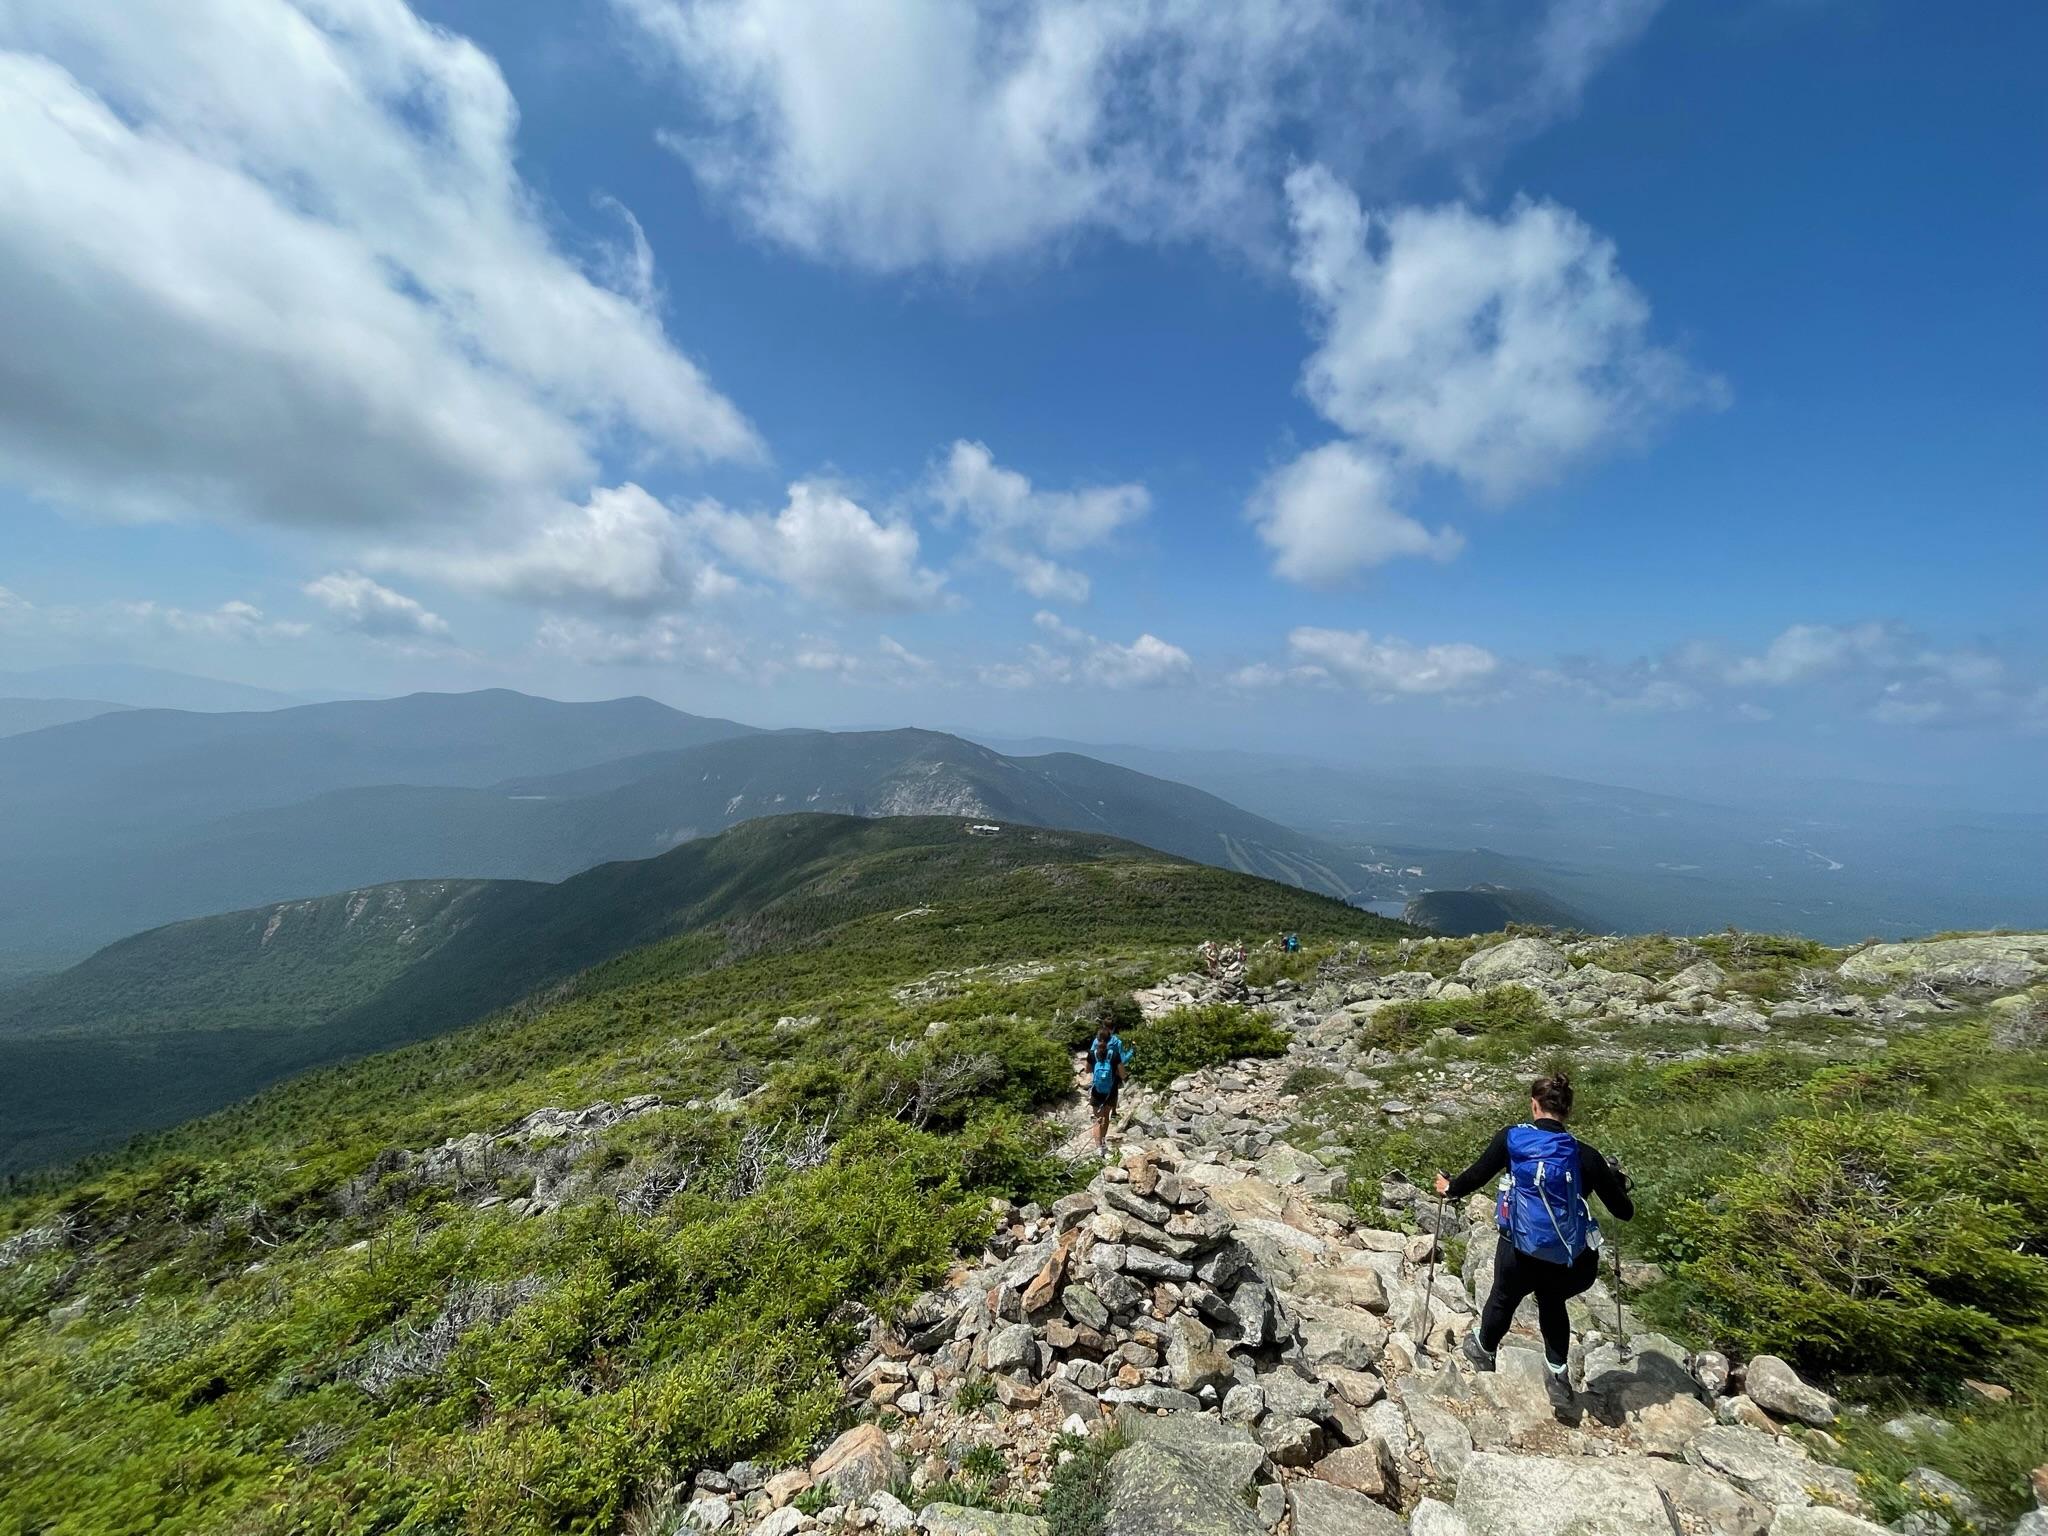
1710,1370
1434,1518
1324,1509
1162,1399
1244,1404
1291,1442
1776,1471
1557,1496
781,1522
2001,960
1777,1389
1820,1520
1013,1347
1229,1452
889,1512
959,1520
1708,1503
1516,960
2033,1523
858,1463
1156,1490
1085,1307
707,1512
1359,1468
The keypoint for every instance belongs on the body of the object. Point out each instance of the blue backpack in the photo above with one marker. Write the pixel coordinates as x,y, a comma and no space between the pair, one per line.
1106,1065
1542,1208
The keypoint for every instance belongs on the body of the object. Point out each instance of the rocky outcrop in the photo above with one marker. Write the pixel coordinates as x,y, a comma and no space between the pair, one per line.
1984,960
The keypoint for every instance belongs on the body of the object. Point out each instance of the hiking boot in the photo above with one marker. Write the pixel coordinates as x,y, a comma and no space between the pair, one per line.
1563,1401
1481,1358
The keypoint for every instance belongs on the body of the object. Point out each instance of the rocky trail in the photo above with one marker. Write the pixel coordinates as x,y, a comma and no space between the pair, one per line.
1270,1347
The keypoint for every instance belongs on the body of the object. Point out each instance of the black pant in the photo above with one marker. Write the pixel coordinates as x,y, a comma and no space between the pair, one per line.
1516,1275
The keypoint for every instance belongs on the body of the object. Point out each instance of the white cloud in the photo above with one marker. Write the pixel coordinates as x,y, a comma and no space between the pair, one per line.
891,663
1802,652
1332,512
1019,527
666,640
620,549
1501,352
826,547
1147,662
275,261
1390,666
234,621
891,133
1073,655
354,601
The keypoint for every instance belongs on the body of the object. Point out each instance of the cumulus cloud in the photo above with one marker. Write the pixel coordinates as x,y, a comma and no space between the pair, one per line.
1385,665
1501,351
891,133
235,620
1333,511
1069,655
1147,662
1802,652
665,640
275,261
890,663
620,548
825,546
1498,351
353,601
1019,527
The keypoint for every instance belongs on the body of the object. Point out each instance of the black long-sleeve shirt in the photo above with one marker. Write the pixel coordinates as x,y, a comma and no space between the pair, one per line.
1599,1175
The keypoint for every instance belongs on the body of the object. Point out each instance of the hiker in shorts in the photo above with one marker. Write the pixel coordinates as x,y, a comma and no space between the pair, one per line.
1549,1243
1107,1054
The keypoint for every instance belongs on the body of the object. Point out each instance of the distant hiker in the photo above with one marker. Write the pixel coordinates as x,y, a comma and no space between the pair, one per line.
1107,1054
1549,1242
1292,943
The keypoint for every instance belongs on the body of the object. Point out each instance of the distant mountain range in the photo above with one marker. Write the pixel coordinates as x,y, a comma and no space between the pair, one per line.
1836,863
130,820
185,1018
139,687
19,715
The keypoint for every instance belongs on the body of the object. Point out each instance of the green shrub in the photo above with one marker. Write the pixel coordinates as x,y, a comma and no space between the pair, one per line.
982,1462
1307,1079
1013,1155
1894,1243
1990,1448
1191,1038
1496,1011
1077,1503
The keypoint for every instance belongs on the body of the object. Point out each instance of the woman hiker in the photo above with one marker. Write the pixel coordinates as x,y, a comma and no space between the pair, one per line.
1107,1054
1549,1243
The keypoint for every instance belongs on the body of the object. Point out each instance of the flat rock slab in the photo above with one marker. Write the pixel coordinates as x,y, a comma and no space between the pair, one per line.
960,1520
1557,1496
1819,1520
1324,1509
1155,1490
1228,1450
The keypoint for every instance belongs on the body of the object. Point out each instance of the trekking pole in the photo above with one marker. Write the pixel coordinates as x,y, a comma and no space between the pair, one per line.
1620,1332
1436,1246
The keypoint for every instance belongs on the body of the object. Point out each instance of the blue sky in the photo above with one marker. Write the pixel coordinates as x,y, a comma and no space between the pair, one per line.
1633,390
